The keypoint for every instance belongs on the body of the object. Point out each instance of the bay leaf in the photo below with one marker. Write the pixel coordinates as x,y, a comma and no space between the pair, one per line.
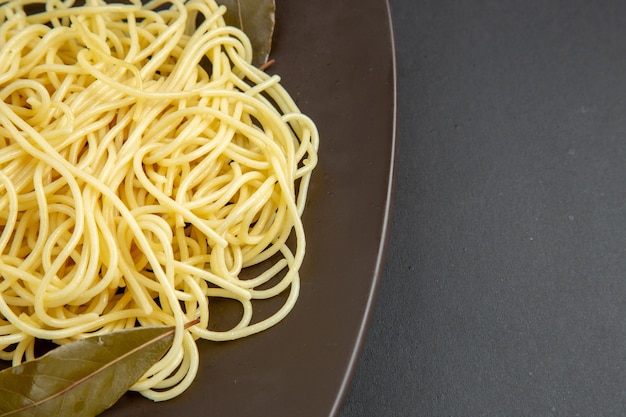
256,18
82,378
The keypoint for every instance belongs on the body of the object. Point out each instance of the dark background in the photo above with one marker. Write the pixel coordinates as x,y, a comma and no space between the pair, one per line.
504,291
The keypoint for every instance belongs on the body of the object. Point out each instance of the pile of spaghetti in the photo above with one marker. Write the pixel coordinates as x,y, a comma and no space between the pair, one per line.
144,165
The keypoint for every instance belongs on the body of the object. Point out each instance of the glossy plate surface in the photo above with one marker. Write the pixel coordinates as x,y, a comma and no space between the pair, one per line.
336,59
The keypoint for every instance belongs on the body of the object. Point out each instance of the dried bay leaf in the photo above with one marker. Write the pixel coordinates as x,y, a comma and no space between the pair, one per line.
256,19
82,378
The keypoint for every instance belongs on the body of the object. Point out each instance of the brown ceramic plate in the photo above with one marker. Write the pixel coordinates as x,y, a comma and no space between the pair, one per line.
336,58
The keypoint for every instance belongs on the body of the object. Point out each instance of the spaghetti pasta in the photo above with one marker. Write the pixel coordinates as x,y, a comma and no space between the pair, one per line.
145,165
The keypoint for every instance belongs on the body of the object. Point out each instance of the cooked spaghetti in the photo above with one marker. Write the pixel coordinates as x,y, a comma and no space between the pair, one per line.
145,167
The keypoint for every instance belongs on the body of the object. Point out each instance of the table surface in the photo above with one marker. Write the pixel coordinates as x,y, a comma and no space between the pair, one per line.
504,288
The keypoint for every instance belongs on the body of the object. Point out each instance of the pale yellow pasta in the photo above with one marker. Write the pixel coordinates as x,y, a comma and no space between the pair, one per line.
144,164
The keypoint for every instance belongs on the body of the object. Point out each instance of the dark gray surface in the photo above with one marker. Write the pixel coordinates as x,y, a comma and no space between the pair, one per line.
504,291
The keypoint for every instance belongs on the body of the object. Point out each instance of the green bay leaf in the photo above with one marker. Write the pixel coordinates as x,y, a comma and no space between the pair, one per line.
82,378
256,18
